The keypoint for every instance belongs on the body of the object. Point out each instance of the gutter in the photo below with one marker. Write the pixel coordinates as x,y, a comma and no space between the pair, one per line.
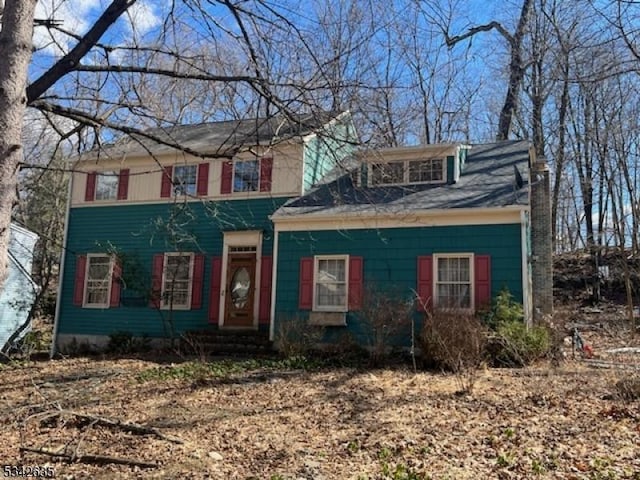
63,257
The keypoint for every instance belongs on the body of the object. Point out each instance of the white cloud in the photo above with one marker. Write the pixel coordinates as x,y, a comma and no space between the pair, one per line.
72,15
142,17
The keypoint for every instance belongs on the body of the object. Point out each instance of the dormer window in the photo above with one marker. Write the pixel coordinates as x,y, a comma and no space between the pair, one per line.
387,173
426,171
431,170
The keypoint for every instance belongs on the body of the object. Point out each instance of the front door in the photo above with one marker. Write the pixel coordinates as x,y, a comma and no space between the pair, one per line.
240,290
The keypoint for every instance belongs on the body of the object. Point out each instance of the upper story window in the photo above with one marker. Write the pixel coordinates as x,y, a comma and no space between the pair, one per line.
426,171
387,173
109,185
432,170
246,176
106,186
184,179
190,180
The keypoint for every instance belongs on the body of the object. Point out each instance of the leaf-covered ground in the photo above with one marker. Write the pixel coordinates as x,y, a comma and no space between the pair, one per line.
288,423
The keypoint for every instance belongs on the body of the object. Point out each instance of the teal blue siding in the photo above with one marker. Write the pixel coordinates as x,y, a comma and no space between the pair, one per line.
390,258
327,151
137,232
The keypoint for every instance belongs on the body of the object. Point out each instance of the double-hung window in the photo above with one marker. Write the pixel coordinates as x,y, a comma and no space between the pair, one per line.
185,179
330,283
177,277
246,176
453,281
98,280
106,186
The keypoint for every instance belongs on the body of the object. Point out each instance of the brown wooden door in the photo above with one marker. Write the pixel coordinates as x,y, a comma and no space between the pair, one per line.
240,290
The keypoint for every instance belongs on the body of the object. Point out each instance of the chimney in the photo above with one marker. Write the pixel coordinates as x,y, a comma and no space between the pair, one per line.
541,245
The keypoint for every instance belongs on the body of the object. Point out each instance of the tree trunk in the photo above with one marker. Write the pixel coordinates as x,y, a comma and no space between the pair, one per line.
15,51
516,74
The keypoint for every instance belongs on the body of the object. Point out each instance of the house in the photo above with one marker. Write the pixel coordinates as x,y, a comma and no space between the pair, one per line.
169,231
19,290
448,226
250,223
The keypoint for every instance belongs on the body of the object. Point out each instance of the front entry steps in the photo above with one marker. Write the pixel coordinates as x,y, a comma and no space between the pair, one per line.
227,342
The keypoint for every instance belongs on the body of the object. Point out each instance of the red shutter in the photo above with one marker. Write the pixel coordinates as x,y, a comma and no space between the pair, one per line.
356,282
90,190
123,184
264,311
482,274
306,283
203,179
214,289
156,280
198,279
425,283
226,179
116,276
167,182
78,288
266,166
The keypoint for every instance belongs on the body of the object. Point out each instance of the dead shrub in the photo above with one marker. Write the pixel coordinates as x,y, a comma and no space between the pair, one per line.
386,317
628,387
454,341
295,337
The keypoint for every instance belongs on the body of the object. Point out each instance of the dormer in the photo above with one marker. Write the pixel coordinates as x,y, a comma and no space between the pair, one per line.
421,165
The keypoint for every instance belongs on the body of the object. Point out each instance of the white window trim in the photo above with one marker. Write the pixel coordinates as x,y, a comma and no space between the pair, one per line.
405,176
233,174
85,295
107,173
333,308
175,184
167,305
472,277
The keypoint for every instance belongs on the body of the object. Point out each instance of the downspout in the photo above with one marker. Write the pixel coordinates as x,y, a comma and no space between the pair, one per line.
526,304
63,257
274,278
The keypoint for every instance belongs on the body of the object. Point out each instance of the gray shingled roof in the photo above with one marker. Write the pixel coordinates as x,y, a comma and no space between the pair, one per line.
488,180
217,138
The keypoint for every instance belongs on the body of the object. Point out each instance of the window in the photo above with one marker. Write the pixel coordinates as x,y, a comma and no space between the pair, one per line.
184,179
246,176
387,173
176,280
426,171
330,283
453,274
431,170
98,280
107,186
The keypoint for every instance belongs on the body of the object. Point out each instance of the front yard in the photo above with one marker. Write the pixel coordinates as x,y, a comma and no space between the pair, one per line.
278,421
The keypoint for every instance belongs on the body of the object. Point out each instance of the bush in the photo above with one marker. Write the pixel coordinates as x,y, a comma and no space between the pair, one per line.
295,337
628,388
125,343
516,345
454,341
513,344
386,316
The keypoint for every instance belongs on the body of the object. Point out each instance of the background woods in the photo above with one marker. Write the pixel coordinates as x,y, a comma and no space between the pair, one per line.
561,73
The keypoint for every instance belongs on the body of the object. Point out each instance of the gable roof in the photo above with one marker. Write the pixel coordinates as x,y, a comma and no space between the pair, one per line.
222,138
488,180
